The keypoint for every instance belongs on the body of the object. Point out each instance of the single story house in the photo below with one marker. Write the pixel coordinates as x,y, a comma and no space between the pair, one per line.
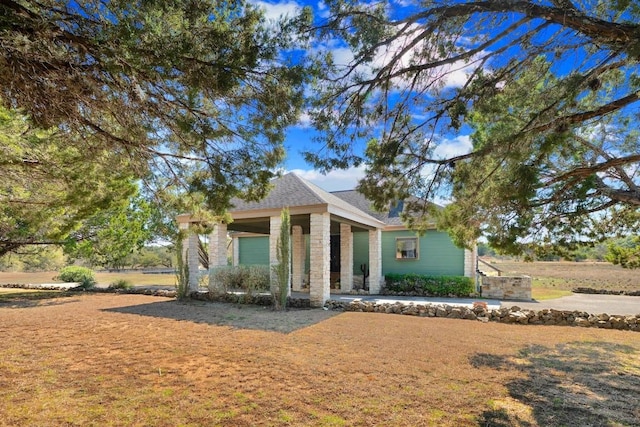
336,237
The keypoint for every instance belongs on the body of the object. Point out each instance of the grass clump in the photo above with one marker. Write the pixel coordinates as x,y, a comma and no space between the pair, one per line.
121,284
76,274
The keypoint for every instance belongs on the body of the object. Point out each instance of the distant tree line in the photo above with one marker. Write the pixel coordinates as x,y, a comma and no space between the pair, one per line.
53,258
621,251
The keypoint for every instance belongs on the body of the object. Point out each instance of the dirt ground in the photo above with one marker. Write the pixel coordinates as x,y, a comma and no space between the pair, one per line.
133,360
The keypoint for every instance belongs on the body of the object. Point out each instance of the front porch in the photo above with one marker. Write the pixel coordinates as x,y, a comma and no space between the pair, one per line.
315,216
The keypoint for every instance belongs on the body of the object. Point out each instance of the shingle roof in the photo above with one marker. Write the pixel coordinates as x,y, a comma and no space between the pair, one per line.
289,190
293,191
358,200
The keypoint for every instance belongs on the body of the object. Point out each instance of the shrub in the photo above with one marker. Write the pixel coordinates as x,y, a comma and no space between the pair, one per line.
282,270
437,286
82,275
248,278
121,284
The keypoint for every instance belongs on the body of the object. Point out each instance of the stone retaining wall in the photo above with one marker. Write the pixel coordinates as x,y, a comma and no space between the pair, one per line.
479,312
507,287
605,292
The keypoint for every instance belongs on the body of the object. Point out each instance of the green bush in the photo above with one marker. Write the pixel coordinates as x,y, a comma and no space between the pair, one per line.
437,286
247,278
81,275
121,284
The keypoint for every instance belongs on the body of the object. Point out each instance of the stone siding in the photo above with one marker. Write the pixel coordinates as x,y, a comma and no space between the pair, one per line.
319,253
346,258
509,288
375,261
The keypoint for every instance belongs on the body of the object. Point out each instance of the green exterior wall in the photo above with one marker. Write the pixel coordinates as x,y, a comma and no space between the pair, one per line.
360,251
437,255
254,250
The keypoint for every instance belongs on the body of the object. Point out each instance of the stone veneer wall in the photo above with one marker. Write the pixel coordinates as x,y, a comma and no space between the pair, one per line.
504,287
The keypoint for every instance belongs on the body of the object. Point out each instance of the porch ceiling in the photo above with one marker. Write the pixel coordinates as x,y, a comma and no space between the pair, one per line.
261,225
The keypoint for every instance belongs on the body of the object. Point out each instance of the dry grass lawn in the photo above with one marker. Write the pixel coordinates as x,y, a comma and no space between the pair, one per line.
103,278
133,360
553,279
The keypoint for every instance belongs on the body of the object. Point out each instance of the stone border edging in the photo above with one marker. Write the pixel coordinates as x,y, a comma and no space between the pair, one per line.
582,290
512,315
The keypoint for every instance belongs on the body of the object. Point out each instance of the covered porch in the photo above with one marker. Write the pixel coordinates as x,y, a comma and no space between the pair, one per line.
316,216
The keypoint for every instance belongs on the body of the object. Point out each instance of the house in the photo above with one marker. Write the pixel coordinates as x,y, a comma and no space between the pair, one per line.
336,239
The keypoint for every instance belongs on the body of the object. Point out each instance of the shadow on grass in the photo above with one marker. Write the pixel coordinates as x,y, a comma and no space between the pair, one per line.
35,298
573,384
232,315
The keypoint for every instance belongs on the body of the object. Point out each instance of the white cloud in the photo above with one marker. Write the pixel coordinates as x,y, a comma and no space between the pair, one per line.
453,147
274,11
335,180
322,10
304,122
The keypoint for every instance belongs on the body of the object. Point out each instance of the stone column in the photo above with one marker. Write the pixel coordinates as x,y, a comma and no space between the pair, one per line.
346,258
275,224
298,250
469,263
375,261
193,261
320,249
235,247
217,254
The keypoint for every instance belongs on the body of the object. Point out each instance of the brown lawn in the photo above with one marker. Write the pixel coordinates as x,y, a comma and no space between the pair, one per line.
564,275
133,360
103,278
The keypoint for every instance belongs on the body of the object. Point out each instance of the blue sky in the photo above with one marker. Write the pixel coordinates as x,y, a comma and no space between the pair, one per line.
300,136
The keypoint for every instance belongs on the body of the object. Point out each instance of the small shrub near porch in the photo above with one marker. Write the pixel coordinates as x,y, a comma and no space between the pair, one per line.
247,278
421,285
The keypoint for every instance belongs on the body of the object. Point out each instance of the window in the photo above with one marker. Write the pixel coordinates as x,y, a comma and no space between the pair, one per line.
406,248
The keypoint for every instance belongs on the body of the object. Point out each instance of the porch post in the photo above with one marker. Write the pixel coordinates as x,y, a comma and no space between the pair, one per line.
235,246
470,262
375,261
217,253
320,249
190,255
297,257
346,258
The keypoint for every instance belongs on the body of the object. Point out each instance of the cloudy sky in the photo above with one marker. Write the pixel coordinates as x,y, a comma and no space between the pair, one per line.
300,137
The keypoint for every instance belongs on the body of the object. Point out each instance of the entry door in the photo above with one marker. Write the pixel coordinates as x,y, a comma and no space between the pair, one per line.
335,254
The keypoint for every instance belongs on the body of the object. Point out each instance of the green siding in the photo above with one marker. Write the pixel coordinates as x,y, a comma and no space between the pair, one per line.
254,250
307,258
437,255
360,251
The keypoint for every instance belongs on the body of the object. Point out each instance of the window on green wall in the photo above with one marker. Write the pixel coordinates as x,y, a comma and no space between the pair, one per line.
406,248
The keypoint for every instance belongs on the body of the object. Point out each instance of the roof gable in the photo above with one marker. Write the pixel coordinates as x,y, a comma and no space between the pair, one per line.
288,190
292,191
